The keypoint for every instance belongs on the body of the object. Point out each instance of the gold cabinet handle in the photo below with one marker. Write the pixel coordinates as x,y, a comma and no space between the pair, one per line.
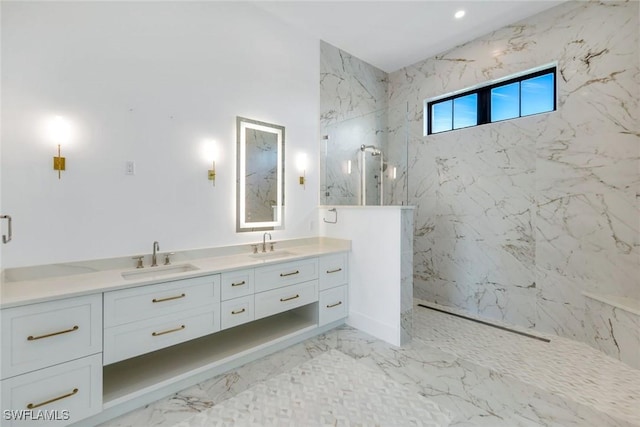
66,331
55,399
289,274
290,298
239,311
334,305
238,284
169,298
157,334
334,271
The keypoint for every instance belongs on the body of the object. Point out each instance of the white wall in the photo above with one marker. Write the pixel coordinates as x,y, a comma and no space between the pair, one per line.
148,82
374,266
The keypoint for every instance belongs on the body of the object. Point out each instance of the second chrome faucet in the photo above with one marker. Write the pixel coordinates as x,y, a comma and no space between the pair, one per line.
154,257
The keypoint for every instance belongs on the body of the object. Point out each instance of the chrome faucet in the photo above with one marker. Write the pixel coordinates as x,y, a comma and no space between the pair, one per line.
154,257
264,241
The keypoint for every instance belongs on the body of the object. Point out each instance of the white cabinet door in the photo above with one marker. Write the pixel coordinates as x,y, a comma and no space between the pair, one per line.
133,339
333,305
39,335
237,311
237,284
145,302
287,273
68,392
286,298
333,271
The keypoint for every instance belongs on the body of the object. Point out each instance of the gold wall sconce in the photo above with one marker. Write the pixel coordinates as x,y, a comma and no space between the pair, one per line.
60,133
211,173
209,150
302,168
59,163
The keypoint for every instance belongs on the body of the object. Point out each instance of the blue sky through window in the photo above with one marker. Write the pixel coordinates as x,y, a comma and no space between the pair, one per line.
537,94
465,111
505,102
441,116
516,96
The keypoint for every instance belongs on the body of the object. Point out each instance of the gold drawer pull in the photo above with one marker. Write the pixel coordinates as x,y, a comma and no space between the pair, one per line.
239,311
169,298
290,298
32,338
157,334
55,399
289,274
238,284
334,305
334,271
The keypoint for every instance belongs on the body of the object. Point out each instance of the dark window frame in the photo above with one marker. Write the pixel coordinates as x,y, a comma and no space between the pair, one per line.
484,99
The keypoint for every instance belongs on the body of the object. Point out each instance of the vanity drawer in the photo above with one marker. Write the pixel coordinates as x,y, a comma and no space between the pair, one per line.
333,271
333,305
288,273
286,298
40,335
71,392
146,302
133,339
237,284
236,312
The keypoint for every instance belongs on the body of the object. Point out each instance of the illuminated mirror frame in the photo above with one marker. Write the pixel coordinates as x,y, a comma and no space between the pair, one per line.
241,223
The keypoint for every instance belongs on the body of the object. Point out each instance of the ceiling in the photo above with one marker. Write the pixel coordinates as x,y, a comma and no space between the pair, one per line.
394,34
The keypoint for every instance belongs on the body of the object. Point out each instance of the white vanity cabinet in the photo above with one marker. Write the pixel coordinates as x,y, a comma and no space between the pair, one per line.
334,292
52,361
89,358
237,305
285,286
148,318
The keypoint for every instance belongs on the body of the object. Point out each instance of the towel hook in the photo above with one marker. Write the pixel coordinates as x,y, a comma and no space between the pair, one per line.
6,239
334,210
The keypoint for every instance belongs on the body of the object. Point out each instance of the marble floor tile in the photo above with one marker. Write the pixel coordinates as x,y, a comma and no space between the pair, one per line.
329,390
481,375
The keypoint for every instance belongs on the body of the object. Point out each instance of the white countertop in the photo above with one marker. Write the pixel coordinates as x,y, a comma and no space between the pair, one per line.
45,283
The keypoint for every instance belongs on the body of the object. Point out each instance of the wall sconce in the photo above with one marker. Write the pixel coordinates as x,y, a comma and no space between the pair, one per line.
348,167
60,132
211,173
210,157
302,168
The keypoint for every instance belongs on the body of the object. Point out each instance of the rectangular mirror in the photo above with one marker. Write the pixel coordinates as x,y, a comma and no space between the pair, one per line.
260,192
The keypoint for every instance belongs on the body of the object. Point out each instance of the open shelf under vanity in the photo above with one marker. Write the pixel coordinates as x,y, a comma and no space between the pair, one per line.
133,377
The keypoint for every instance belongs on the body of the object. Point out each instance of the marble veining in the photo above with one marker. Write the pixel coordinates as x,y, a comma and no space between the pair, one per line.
516,219
564,367
330,389
355,112
261,176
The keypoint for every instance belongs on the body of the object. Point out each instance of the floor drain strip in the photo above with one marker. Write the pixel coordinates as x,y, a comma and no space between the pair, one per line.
524,334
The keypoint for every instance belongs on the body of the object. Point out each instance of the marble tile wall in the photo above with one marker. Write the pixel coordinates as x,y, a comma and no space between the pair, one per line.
514,220
406,276
614,331
354,111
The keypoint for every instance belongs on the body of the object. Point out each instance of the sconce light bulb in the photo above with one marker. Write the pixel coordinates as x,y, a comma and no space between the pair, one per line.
60,130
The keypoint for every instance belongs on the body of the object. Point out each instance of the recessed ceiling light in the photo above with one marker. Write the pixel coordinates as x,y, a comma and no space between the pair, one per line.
459,14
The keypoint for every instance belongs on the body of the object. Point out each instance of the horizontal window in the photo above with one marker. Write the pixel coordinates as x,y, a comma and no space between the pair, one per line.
527,94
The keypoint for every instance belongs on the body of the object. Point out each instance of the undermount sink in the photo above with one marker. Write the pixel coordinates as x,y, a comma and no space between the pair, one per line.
158,271
271,255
